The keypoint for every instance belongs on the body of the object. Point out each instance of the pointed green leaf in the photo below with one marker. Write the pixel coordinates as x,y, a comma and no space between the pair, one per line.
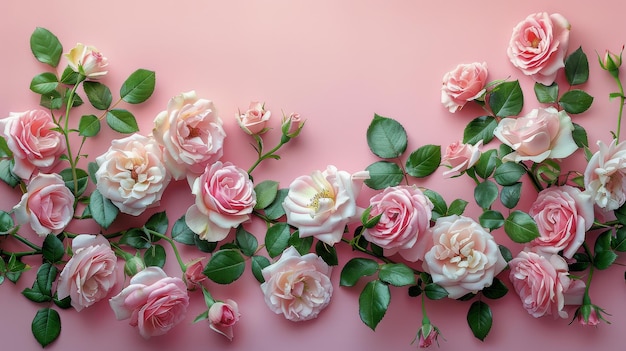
328,253
46,326
487,163
46,47
439,204
46,274
247,243
138,87
373,303
547,94
266,192
575,101
302,245
158,222
102,209
89,126
479,319
496,290
397,274
580,136
618,243
99,95
457,207
155,256
508,173
577,67
51,100
510,195
6,173
480,128
182,233
355,269
277,239
258,263
383,174
225,266
44,83
122,121
275,210
485,194
6,223
521,227
491,219
69,76
507,99
386,137
435,291
424,161
82,180
52,249
136,238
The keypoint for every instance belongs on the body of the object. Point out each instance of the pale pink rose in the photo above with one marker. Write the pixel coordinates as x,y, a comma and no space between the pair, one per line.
405,215
543,284
323,203
154,302
538,46
35,144
563,215
542,133
191,134
254,120
464,83
47,205
297,286
225,198
194,275
88,276
292,125
605,176
223,316
459,157
461,256
132,175
88,61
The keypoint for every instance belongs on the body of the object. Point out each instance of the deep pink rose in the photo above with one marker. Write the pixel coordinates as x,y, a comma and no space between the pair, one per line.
223,316
563,215
88,61
154,302
34,143
605,176
405,214
461,256
428,335
459,157
542,133
191,134
88,276
225,198
322,204
48,205
254,120
132,175
297,286
538,46
543,284
464,83
194,275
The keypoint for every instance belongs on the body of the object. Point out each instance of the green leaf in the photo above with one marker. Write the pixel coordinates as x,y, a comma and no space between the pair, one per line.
46,47
69,77
64,303
266,192
509,173
158,222
34,295
480,128
182,233
275,210
328,253
603,242
604,259
136,238
457,207
507,99
547,94
575,101
487,163
618,243
506,253
496,290
76,99
479,319
577,67
386,137
6,223
439,204
435,291
46,274
44,83
302,245
277,239
4,148
225,266
246,242
46,326
582,262
258,263
383,174
122,121
99,95
521,227
485,194
52,249
491,219
15,268
355,269
92,168
102,209
580,136
6,173
82,180
510,195
424,161
138,87
89,126
155,256
397,274
373,303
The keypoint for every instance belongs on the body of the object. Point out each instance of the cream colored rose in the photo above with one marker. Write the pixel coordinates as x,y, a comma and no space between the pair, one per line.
88,61
605,176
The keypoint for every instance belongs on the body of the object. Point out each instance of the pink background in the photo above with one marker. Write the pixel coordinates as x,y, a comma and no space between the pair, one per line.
336,63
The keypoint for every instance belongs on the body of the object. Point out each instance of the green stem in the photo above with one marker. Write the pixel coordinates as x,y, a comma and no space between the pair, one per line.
182,265
267,154
26,242
591,270
66,133
20,254
621,108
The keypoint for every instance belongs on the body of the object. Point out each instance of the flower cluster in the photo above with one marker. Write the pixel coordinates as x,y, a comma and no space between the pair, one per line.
408,236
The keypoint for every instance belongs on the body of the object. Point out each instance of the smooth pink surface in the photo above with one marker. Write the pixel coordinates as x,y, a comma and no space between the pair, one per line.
336,63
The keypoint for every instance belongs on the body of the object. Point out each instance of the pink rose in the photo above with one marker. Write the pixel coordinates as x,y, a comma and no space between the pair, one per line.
605,176
194,274
292,125
405,214
428,334
191,134
35,143
322,204
88,276
461,256
48,205
543,284
254,120
538,46
88,61
459,157
131,174
225,198
297,286
223,316
543,133
464,83
154,302
563,215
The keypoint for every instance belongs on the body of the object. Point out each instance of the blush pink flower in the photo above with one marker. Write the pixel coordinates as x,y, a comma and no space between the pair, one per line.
223,316
292,125
254,120
563,215
538,46
154,302
47,205
543,284
194,275
88,61
323,203
33,140
542,133
605,176
132,175
225,198
297,286
461,256
463,84
191,134
88,276
405,215
459,157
